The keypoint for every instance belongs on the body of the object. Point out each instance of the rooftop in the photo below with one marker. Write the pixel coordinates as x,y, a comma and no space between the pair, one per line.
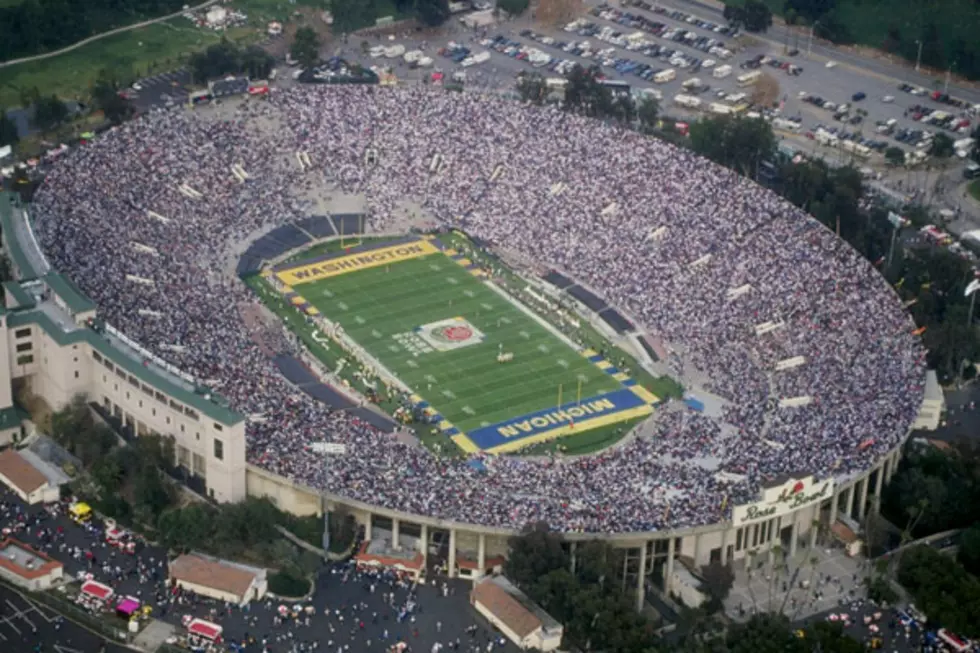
507,606
20,472
25,561
69,293
213,573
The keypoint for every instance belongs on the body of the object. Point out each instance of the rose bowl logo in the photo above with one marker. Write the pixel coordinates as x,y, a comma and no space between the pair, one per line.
459,333
453,333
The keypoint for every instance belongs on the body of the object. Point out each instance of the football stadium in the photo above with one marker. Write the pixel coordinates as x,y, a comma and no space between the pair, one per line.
400,302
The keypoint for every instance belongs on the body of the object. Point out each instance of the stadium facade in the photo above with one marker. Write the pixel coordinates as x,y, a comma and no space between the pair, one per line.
57,348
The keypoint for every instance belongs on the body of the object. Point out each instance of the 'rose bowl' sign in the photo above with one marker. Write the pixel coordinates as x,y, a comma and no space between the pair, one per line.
781,499
453,333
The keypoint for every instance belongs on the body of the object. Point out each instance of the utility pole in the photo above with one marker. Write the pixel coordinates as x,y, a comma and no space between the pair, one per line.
809,43
918,57
328,449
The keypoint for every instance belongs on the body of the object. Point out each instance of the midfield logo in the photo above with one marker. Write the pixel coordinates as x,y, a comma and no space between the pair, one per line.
446,335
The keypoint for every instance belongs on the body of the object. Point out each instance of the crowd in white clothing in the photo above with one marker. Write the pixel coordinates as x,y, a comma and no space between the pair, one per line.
863,367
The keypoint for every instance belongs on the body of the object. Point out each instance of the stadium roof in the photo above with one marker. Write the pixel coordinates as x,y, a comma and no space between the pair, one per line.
69,293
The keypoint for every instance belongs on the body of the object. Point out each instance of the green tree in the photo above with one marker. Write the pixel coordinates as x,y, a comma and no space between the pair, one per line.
969,551
738,143
829,637
764,633
106,96
349,15
942,589
933,53
513,7
8,130
756,16
811,10
894,156
716,583
942,146
647,112
532,88
306,47
534,553
343,529
432,12
49,112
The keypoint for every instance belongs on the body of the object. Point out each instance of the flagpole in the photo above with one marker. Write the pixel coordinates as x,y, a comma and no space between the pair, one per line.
559,395
341,234
578,398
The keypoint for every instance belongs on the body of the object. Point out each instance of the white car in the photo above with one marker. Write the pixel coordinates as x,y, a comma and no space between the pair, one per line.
888,99
137,87
831,64
708,63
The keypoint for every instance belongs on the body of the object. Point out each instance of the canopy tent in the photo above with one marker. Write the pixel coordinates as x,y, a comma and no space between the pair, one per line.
205,629
97,590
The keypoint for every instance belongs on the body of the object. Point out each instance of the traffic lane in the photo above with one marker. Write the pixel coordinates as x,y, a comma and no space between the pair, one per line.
895,72
26,626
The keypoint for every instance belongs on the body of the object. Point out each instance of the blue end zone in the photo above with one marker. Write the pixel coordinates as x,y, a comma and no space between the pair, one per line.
601,407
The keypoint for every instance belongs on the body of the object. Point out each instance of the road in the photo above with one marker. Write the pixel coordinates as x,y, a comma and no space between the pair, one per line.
26,627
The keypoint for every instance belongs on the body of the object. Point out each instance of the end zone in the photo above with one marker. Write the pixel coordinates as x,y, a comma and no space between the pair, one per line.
548,424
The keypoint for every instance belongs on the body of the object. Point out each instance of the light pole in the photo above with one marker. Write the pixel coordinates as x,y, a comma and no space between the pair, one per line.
971,292
328,449
809,42
918,57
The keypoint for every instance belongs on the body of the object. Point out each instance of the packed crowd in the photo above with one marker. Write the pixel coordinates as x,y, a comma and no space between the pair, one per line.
863,367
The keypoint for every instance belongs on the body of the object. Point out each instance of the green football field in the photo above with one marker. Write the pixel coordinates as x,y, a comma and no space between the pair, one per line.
382,307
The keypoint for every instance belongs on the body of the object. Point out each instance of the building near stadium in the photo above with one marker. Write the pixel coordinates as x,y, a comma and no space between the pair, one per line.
60,345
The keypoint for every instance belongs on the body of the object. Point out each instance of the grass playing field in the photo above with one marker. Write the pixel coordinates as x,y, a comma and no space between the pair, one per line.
382,306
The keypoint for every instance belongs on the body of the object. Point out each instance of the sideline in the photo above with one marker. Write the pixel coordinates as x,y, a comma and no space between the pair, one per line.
92,39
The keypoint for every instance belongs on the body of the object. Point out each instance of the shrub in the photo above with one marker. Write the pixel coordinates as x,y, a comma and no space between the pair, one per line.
287,582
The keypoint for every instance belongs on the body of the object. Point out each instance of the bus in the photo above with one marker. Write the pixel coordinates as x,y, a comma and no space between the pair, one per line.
952,641
748,79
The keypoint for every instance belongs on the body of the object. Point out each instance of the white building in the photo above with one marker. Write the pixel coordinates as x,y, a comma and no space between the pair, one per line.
28,568
225,581
515,615
30,478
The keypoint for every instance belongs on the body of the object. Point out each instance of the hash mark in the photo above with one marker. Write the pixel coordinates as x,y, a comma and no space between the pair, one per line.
342,306
375,333
525,335
449,393
468,410
326,293
394,348
583,378
504,320
469,293
562,362
359,319
412,364
484,424
452,281
488,307
430,378
434,266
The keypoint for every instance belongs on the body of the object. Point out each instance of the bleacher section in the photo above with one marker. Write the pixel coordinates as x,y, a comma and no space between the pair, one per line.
348,224
299,375
558,280
616,320
594,303
318,226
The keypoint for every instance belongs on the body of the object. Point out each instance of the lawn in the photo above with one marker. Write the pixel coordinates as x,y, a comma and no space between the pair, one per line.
974,189
380,308
152,49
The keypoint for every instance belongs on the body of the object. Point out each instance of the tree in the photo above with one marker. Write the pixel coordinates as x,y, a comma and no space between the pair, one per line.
343,529
811,10
933,53
49,112
647,112
829,637
513,7
8,130
432,12
942,146
969,551
349,15
764,633
533,554
532,87
942,589
756,16
739,143
716,582
306,48
894,156
558,12
106,96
